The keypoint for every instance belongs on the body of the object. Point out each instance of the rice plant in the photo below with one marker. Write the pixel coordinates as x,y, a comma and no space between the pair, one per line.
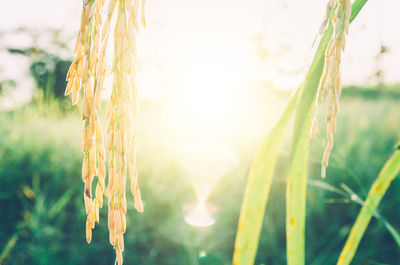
87,73
323,77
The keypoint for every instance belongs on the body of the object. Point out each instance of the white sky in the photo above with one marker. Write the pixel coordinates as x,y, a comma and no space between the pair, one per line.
221,33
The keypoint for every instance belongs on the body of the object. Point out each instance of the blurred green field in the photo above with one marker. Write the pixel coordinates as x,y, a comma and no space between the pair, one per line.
42,214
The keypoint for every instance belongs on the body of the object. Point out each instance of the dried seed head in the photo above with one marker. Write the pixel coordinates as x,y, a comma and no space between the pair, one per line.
88,232
88,71
88,204
120,240
96,210
330,82
119,254
313,129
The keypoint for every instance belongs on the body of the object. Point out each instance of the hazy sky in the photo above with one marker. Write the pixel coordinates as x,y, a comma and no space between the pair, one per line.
222,35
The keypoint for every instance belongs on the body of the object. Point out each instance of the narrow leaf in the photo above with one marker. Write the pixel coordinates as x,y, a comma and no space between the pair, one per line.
296,200
329,187
375,194
60,204
356,7
8,247
257,190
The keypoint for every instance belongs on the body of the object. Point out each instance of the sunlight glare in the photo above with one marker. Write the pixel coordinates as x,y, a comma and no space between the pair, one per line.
205,164
209,84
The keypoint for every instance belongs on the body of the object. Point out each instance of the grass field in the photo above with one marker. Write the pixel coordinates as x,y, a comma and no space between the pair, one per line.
42,214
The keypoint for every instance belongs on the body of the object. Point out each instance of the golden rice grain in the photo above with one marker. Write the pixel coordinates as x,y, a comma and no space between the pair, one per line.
330,82
87,73
313,130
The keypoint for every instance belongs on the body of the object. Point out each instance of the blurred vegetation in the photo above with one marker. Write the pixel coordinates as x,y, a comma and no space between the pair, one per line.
379,91
44,50
42,210
48,71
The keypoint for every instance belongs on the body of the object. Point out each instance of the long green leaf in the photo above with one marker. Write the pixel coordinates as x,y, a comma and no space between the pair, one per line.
60,204
355,8
325,186
375,194
8,247
257,190
296,188
297,178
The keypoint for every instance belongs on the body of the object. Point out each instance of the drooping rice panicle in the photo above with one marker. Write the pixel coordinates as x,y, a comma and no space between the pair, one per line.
330,83
87,72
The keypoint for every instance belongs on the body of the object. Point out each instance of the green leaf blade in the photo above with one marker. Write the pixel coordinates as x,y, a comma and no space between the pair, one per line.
296,188
257,190
375,194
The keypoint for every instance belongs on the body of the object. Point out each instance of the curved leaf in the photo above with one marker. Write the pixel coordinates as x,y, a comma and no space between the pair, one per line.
257,190
375,194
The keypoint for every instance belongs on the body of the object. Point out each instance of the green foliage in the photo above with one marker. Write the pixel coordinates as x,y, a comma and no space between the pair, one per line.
297,177
41,152
48,71
372,93
32,175
378,189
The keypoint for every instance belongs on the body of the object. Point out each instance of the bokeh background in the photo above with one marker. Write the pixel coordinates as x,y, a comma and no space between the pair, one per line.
217,72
